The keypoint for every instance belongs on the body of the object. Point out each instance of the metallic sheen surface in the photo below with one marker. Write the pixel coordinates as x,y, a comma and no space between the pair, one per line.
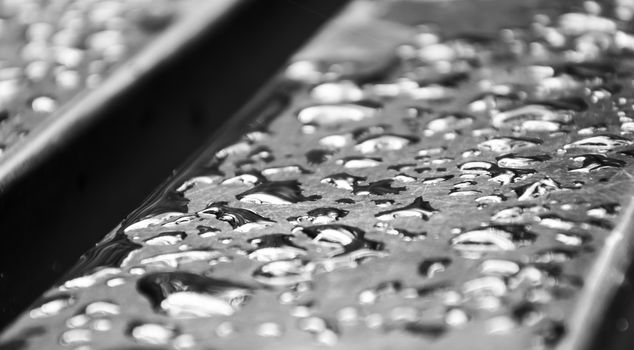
436,175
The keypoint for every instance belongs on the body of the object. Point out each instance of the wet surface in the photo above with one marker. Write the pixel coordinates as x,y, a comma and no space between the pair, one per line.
51,51
450,184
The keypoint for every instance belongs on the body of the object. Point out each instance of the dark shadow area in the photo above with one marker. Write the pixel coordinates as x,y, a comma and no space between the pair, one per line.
68,203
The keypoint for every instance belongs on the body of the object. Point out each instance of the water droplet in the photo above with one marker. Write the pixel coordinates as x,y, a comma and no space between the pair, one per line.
319,216
52,306
166,238
323,331
537,189
601,143
241,220
44,104
430,267
508,144
152,333
499,267
406,235
76,336
339,240
533,117
456,317
521,162
379,188
177,259
334,141
318,156
269,330
286,169
492,238
275,192
518,215
274,247
332,114
90,279
450,121
359,162
282,272
419,208
343,180
385,142
594,162
574,23
187,295
337,92
436,179
605,210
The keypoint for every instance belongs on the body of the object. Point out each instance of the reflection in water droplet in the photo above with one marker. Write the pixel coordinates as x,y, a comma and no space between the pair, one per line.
521,162
323,330
385,142
241,220
601,143
250,178
166,238
499,267
282,273
594,162
430,267
339,239
343,180
52,306
187,295
269,329
450,121
508,144
318,156
274,247
275,192
537,189
177,259
151,333
518,215
436,179
379,188
337,92
492,238
330,114
76,336
319,216
359,162
418,208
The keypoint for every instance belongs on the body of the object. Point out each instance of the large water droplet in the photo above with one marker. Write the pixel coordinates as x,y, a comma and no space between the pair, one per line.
274,247
419,208
241,220
332,114
386,142
508,144
601,143
492,238
187,295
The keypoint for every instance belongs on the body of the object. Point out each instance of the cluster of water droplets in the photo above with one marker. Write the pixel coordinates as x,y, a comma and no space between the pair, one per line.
466,187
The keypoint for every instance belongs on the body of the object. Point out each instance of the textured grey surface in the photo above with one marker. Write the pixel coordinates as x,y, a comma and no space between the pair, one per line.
425,185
